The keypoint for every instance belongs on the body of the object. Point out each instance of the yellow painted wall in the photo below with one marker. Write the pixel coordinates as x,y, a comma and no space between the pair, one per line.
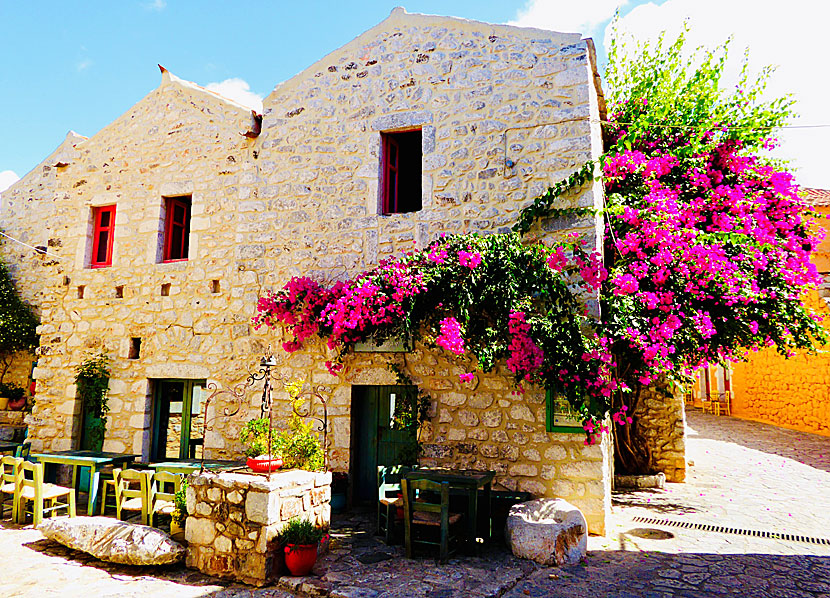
792,393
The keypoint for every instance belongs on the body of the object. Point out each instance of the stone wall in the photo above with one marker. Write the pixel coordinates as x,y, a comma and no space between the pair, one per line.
662,419
793,393
234,519
504,112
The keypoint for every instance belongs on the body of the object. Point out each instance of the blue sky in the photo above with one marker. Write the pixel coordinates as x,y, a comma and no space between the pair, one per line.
78,66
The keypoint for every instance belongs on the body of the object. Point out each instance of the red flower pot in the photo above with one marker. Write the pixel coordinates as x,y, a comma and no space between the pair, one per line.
263,464
18,404
300,558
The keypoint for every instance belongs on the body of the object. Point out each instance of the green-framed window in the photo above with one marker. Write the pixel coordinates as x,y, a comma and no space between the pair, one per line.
560,416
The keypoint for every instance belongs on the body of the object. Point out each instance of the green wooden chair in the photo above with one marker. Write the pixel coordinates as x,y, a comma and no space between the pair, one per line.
22,452
429,523
162,488
9,467
32,489
131,492
389,487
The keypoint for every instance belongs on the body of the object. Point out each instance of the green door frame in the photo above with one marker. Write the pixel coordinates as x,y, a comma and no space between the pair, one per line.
187,407
373,441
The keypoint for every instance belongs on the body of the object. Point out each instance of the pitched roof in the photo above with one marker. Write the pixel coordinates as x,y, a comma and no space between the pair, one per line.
817,197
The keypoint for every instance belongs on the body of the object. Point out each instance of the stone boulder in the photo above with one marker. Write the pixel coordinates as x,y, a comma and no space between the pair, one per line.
113,540
549,531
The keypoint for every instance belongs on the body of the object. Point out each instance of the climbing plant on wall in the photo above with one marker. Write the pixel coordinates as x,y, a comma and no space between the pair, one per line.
18,323
707,244
92,378
705,255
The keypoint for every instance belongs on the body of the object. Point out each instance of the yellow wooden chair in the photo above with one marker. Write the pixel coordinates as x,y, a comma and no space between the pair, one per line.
706,403
162,488
9,471
131,492
723,404
32,489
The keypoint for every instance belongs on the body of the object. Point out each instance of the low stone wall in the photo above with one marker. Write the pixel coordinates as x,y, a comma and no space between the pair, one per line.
234,519
662,420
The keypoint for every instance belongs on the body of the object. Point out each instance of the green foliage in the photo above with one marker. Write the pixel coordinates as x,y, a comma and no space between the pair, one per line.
664,94
541,206
300,531
300,445
92,379
255,435
180,502
17,321
11,391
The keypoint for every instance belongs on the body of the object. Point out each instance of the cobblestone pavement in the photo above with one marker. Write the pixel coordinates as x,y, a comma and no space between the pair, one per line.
744,476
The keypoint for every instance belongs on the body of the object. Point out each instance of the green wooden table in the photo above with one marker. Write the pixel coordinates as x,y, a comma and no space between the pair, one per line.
94,460
470,482
190,466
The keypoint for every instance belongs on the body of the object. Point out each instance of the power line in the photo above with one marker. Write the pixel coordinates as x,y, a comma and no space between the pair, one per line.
38,250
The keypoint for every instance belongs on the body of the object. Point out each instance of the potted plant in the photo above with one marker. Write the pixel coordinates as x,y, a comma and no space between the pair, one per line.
12,396
179,516
256,434
300,538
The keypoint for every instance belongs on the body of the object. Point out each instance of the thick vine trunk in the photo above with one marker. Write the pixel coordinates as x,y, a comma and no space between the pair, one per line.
632,454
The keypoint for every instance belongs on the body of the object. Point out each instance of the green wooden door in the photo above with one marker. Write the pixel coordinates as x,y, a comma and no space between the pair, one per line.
375,442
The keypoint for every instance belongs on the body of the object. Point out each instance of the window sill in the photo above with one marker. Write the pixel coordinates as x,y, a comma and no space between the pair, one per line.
101,265
173,261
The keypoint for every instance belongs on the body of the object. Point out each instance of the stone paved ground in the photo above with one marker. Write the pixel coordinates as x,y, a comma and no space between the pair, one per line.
745,475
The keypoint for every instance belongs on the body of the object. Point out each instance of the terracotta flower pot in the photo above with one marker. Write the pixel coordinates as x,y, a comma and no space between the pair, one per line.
300,558
18,404
263,464
4,403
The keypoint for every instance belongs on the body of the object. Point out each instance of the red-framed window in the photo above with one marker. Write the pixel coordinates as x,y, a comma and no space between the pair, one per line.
401,172
176,228
103,231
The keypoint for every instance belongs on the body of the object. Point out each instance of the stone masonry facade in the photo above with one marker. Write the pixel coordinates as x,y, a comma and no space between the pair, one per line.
504,112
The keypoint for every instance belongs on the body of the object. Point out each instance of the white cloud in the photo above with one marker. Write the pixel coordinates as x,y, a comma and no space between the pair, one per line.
82,65
560,15
157,5
7,179
791,36
239,91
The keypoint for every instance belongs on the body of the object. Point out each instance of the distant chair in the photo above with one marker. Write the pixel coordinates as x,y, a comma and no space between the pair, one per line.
706,403
162,488
131,492
390,499
32,489
723,404
429,523
9,467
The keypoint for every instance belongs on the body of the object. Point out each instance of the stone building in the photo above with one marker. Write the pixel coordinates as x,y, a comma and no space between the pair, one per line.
162,230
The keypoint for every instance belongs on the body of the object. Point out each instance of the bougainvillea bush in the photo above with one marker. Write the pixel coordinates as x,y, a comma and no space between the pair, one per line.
705,255
707,243
492,299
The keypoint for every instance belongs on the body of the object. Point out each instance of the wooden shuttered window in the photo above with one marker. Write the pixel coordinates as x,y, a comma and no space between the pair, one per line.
103,231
